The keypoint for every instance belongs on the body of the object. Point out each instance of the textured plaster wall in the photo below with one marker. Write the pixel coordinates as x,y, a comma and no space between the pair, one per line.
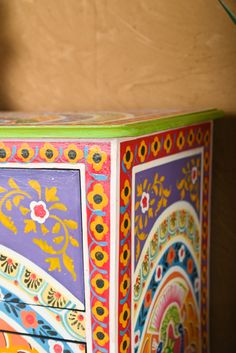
116,54
66,55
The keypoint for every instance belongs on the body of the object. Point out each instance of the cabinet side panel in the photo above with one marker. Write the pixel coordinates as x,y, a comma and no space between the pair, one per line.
164,221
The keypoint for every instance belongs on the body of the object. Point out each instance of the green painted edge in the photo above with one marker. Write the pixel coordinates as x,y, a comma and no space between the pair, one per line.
109,131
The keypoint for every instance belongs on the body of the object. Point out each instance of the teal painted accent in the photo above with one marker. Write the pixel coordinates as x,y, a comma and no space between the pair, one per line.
109,131
229,11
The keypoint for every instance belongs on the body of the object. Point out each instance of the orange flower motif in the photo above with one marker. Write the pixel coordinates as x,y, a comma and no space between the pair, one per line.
5,152
125,284
29,319
125,343
25,152
73,154
99,256
171,256
96,157
128,157
48,152
155,146
168,143
142,151
99,228
207,138
124,315
125,255
199,136
180,140
100,336
148,298
190,266
99,311
190,138
97,197
125,225
100,283
126,192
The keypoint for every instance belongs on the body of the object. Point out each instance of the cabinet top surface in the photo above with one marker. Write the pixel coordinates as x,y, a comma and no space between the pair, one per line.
98,124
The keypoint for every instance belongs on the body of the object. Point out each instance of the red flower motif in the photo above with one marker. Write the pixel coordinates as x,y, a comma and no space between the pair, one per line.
39,212
171,256
29,319
148,298
190,266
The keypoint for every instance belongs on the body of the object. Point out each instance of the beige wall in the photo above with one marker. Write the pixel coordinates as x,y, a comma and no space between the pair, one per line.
129,54
116,54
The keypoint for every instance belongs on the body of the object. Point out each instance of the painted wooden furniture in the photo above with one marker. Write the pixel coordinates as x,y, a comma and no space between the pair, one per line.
104,232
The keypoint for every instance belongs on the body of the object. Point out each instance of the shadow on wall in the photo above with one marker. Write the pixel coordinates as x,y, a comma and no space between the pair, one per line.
223,238
6,55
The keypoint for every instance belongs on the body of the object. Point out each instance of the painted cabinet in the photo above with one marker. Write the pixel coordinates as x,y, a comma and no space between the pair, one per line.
104,232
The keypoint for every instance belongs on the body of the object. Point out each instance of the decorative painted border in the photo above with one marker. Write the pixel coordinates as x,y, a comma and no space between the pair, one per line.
96,158
135,152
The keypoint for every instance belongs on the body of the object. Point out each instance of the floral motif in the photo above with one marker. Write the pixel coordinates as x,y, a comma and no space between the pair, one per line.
180,140
5,152
168,143
48,152
55,346
100,336
155,146
55,298
99,311
125,284
99,228
190,138
142,151
100,283
144,203
99,256
136,339
128,157
126,192
73,154
8,265
77,321
125,225
29,319
190,181
39,211
148,299
125,343
181,253
199,136
171,255
96,157
25,153
97,197
125,255
124,315
159,272
32,280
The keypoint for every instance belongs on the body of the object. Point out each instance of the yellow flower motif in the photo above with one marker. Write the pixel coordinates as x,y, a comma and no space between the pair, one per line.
97,197
128,157
125,343
168,143
124,315
5,152
100,283
100,336
48,152
99,256
125,255
199,136
96,157
25,152
99,228
99,311
73,154
155,146
125,225
125,284
190,138
207,138
126,192
206,161
180,140
142,151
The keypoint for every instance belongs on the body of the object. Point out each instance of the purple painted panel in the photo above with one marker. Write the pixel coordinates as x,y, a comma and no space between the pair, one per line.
158,187
40,218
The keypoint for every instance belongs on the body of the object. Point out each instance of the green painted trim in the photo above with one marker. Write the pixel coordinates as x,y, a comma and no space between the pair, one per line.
109,131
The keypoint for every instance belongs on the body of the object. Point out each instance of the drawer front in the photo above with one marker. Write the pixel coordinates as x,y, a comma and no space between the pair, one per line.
42,252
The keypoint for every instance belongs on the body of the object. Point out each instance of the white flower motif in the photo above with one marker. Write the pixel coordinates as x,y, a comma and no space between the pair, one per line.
194,175
159,272
55,346
136,339
144,203
39,212
181,253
